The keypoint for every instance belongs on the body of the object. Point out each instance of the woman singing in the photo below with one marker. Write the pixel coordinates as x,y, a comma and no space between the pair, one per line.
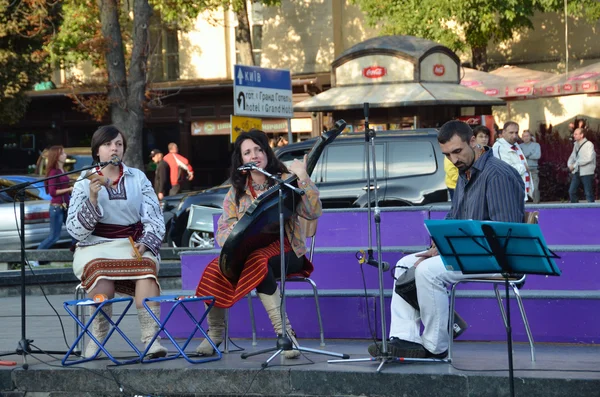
262,266
108,207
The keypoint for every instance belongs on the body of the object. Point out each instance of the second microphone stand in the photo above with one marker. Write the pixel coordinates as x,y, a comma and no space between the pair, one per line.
284,343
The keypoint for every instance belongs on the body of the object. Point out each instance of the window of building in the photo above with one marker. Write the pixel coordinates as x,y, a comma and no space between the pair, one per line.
256,45
164,48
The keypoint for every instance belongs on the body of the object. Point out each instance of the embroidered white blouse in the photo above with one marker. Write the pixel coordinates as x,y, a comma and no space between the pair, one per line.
130,201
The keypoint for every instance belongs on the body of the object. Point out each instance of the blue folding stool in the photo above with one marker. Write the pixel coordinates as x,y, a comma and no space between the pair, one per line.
181,301
85,330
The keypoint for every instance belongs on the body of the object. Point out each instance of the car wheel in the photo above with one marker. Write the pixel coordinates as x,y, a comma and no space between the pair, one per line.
199,240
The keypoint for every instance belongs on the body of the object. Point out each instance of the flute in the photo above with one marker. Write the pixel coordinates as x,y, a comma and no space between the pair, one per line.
135,250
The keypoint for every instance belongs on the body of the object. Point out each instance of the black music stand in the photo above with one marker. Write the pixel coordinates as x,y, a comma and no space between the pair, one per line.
480,247
23,346
284,343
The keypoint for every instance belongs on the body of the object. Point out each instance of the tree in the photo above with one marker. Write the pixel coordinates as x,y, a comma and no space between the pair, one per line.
115,39
25,26
462,24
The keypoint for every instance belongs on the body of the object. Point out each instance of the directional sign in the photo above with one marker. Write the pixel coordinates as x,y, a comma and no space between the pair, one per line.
261,92
239,124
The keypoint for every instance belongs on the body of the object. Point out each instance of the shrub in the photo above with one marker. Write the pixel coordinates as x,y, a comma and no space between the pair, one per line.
555,176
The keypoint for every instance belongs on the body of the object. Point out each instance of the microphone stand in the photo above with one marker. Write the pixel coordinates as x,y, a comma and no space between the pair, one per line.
382,266
23,347
284,343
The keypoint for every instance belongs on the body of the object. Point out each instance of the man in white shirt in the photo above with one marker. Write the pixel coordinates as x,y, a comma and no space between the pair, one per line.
582,164
507,149
532,152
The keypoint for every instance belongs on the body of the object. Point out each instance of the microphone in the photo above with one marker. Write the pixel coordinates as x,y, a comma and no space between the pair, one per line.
115,160
247,167
385,266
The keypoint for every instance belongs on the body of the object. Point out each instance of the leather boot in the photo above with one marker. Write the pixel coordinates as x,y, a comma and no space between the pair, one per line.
149,328
272,304
99,328
216,331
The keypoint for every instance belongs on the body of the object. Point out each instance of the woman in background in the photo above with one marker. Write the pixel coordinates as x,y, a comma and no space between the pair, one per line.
60,191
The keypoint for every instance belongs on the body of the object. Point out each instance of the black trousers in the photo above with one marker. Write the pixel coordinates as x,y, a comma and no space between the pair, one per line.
293,265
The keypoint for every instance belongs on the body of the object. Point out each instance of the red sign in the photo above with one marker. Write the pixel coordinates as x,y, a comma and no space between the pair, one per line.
523,90
470,83
439,69
374,72
583,76
471,120
491,92
567,87
586,86
550,89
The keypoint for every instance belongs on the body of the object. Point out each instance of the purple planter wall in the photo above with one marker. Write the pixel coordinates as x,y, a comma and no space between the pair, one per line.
341,234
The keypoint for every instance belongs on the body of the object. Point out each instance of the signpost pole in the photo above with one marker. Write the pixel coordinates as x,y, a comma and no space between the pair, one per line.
289,123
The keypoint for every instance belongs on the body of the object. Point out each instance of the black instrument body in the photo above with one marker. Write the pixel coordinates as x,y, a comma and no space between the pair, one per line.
259,226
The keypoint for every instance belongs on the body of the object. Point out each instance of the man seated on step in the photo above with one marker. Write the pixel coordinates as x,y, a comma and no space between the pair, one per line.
487,189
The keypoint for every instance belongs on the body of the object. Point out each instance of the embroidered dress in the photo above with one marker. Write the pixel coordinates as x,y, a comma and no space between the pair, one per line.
127,208
214,283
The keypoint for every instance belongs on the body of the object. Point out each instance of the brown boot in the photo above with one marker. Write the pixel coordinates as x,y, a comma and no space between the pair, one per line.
216,331
99,328
272,304
149,328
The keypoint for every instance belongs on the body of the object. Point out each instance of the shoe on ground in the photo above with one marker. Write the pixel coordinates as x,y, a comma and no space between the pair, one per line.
398,348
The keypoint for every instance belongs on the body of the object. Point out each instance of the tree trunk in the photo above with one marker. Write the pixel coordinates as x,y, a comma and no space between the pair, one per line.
137,80
479,57
243,39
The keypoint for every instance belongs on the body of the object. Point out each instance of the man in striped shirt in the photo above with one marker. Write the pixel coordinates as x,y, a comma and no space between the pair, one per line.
487,189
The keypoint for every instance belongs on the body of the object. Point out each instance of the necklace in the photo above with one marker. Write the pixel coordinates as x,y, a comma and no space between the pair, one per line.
260,186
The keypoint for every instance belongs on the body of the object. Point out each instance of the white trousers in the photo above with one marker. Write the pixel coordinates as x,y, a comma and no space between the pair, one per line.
431,278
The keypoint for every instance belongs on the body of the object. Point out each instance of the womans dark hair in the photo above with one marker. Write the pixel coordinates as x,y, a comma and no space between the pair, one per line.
104,134
274,165
53,155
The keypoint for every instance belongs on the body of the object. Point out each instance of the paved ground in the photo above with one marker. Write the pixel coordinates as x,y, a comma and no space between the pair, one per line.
478,368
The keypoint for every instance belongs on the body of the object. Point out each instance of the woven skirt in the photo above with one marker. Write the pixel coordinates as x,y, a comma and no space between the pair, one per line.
112,260
214,283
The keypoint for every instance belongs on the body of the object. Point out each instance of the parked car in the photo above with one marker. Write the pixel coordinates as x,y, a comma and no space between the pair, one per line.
410,171
77,157
37,215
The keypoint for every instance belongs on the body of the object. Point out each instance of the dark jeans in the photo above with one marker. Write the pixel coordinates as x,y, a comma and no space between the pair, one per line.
294,265
174,190
588,187
56,222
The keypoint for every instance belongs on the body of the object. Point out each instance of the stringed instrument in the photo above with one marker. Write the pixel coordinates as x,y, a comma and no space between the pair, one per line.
259,226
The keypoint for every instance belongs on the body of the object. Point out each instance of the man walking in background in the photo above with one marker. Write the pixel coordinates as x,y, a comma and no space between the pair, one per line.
162,177
532,152
582,164
508,150
180,168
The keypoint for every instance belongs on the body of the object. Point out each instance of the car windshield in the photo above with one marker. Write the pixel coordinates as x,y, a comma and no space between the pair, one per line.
8,196
77,161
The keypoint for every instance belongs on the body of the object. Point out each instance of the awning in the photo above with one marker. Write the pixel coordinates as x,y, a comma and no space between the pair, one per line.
395,95
504,82
585,80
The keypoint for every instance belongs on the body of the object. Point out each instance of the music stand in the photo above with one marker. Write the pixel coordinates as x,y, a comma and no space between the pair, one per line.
23,346
484,247
284,343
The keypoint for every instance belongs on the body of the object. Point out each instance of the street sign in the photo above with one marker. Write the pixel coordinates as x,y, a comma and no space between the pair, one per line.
239,124
261,92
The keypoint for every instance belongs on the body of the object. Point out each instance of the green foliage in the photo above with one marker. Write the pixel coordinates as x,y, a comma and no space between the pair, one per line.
459,24
24,28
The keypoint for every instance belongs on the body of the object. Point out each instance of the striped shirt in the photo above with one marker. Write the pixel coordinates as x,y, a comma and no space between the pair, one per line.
494,192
